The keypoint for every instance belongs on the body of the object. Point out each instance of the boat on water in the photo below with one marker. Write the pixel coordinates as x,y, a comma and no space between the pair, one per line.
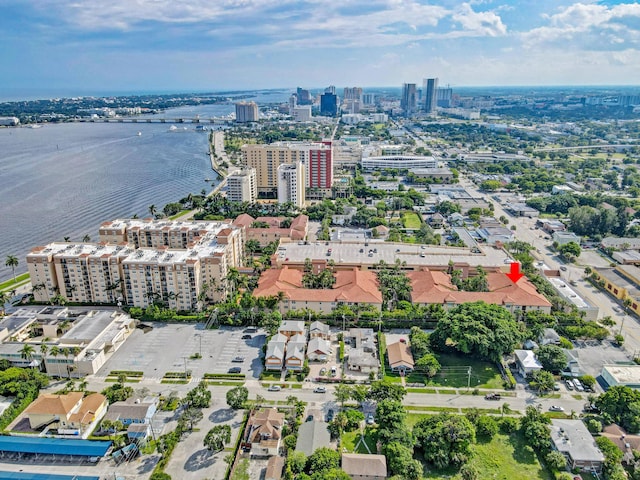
207,179
35,125
139,134
173,128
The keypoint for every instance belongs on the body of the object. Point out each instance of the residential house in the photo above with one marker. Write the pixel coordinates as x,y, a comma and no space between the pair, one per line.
70,414
294,358
132,411
364,467
319,330
436,220
562,238
573,440
318,350
400,357
549,337
274,356
273,232
381,231
361,361
627,443
311,436
289,328
275,465
264,432
526,362
361,338
139,431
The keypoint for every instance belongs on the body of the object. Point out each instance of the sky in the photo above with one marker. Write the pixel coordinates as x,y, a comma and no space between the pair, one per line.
213,45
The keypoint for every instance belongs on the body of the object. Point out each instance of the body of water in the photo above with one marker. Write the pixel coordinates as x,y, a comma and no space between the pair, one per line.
64,180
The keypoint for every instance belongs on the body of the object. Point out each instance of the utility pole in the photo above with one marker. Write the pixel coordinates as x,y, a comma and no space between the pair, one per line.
185,367
468,377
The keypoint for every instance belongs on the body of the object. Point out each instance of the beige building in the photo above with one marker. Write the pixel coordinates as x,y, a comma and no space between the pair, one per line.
267,158
247,112
242,186
140,262
291,186
70,414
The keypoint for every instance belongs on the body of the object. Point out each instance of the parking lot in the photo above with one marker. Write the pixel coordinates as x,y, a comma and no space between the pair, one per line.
592,355
170,348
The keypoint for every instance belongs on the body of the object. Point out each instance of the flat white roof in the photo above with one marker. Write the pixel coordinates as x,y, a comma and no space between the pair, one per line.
624,373
568,293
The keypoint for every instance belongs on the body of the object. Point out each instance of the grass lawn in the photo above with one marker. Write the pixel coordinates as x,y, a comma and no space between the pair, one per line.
349,440
503,458
484,374
411,221
10,284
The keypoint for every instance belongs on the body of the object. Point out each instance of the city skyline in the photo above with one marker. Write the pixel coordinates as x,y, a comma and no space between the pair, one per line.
200,46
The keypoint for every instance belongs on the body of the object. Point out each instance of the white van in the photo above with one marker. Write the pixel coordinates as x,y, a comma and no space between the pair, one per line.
334,371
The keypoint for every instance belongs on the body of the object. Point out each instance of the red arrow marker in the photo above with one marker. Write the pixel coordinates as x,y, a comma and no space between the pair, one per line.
515,274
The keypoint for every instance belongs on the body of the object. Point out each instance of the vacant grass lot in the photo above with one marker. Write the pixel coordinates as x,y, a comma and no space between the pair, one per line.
411,221
350,440
503,458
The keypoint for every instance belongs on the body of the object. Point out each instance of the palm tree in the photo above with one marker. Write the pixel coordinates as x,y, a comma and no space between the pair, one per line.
37,288
86,238
67,239
153,210
26,352
66,352
4,298
55,351
12,261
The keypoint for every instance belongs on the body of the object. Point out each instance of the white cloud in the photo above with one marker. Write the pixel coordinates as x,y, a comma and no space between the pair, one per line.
479,23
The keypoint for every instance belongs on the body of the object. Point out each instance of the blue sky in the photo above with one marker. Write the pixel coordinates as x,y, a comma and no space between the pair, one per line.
195,45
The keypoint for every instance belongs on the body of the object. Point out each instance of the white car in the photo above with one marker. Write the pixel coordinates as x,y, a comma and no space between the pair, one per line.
274,388
555,408
320,390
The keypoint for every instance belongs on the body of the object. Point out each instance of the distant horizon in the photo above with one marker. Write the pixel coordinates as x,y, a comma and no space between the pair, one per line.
34,94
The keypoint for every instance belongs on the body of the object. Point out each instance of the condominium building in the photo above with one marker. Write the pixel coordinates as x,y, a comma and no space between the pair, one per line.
329,104
242,186
246,112
140,262
291,180
430,94
316,156
409,100
354,93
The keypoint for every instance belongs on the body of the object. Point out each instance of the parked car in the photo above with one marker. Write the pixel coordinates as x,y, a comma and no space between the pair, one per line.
556,387
556,408
235,370
246,337
238,359
334,371
330,415
309,418
492,396
370,419
250,330
578,385
568,384
320,390
274,388
563,268
323,372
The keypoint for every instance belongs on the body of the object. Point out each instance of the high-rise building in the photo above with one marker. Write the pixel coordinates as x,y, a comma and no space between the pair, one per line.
304,96
368,99
141,262
409,100
291,180
444,97
330,89
293,103
429,94
246,112
354,93
329,104
302,113
242,186
267,158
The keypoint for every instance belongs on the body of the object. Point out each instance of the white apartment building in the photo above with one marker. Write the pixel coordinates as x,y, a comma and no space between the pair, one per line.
400,162
140,262
301,113
246,112
291,183
242,186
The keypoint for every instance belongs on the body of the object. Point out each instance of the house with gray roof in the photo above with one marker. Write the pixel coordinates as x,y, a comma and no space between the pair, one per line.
364,467
573,440
311,436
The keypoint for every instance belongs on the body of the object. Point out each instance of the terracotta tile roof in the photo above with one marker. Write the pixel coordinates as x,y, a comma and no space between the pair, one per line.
274,468
358,286
399,354
436,287
361,465
49,403
243,220
266,423
90,405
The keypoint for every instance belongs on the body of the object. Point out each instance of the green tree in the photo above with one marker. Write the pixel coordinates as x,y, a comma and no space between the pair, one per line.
12,262
401,462
534,426
487,330
570,249
342,393
621,404
198,397
297,461
486,426
419,342
383,390
217,438
445,439
552,358
542,381
117,392
556,460
322,460
428,364
236,397
191,416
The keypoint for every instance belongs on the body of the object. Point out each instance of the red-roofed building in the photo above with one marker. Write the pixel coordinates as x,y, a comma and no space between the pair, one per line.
352,287
264,236
430,286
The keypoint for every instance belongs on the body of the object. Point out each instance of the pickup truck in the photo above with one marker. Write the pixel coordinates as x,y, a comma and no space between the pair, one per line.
492,396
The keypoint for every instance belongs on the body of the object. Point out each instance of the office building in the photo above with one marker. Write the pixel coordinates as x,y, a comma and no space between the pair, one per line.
430,94
354,93
330,89
304,96
368,99
329,104
409,99
291,180
246,112
301,113
444,97
266,159
141,262
242,186
400,162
